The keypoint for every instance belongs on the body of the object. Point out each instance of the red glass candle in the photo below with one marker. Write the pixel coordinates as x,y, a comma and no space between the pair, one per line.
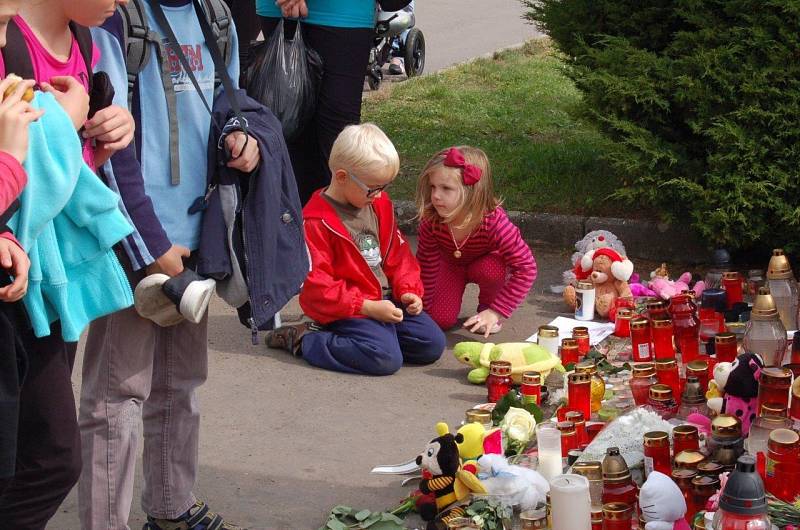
774,385
725,347
657,309
569,437
644,376
597,520
577,419
531,388
699,369
795,357
794,412
579,393
569,352
685,438
686,326
683,478
499,382
617,516
661,331
667,374
622,324
656,453
620,491
640,340
581,336
732,284
703,487
783,467
662,401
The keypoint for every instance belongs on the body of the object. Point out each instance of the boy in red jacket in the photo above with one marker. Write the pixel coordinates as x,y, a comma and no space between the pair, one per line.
364,290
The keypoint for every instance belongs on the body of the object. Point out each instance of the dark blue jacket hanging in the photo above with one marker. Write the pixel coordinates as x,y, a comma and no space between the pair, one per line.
252,230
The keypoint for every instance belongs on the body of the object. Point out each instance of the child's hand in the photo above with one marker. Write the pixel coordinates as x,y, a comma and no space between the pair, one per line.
413,303
16,262
15,116
483,322
170,263
71,95
112,126
244,151
382,311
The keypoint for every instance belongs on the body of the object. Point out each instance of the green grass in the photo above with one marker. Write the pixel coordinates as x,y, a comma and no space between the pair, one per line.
516,107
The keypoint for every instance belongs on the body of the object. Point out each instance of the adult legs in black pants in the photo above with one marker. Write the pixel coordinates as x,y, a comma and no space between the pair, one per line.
247,24
344,53
48,442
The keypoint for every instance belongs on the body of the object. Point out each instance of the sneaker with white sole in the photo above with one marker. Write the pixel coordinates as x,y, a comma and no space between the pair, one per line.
152,303
191,294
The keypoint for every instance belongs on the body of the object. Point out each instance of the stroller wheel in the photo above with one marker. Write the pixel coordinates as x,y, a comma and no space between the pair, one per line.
415,52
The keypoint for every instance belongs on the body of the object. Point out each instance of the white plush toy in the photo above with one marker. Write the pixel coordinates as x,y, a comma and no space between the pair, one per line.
592,241
524,487
662,503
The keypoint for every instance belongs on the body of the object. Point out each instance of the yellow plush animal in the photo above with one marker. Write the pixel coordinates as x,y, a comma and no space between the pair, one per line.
523,356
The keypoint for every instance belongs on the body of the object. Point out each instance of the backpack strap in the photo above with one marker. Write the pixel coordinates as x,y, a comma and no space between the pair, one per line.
84,38
16,55
136,36
219,18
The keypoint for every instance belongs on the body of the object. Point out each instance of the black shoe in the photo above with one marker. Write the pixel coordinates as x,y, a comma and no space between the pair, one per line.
198,517
395,69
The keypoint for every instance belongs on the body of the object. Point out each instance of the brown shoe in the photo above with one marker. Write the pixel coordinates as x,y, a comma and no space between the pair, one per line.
288,338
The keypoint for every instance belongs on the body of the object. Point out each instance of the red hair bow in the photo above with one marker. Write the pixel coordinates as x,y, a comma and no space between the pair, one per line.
470,173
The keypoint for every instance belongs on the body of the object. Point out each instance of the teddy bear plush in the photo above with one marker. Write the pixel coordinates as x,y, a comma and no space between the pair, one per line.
591,241
448,482
738,382
609,274
662,504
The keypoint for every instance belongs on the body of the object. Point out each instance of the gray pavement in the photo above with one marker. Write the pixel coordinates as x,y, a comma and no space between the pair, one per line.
283,442
459,30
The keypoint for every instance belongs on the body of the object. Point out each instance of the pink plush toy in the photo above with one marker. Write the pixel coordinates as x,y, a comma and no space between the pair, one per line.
638,288
662,504
665,288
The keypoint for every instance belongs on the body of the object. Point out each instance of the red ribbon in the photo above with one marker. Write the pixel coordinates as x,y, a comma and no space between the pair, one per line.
470,173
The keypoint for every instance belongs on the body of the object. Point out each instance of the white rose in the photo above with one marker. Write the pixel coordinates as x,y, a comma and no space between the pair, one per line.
518,424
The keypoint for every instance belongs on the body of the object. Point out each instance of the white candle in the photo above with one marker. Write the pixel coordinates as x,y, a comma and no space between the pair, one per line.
548,440
570,504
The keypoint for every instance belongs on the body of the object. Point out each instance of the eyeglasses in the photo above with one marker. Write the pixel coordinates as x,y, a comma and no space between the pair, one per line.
371,192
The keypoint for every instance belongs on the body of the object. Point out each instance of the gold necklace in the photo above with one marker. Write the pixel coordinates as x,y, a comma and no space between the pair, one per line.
457,251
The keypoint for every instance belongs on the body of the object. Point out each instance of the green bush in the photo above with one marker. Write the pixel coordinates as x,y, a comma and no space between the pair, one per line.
702,101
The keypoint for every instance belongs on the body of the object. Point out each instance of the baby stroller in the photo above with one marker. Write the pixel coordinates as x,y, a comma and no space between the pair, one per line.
391,25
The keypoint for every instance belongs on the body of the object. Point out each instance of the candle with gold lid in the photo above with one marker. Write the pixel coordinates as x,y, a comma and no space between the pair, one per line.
765,334
548,339
689,459
782,285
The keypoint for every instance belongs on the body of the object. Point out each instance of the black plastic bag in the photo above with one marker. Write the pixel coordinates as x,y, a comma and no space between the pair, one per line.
285,76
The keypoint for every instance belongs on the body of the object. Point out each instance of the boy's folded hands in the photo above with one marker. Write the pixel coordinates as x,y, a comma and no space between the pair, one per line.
412,302
112,126
382,311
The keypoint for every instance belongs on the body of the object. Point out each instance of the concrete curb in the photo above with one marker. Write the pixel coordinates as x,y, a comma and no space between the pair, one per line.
643,239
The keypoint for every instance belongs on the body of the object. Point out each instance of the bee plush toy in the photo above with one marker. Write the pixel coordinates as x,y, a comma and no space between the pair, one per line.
449,483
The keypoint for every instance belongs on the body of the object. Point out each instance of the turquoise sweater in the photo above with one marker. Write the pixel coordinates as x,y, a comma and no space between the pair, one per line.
68,222
336,13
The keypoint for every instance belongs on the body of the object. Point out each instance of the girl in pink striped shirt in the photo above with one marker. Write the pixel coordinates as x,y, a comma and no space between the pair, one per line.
465,237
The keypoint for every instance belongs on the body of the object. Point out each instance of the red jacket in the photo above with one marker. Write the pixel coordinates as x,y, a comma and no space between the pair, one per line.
340,279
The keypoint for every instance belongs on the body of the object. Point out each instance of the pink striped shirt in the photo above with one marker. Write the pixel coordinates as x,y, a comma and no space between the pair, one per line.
496,233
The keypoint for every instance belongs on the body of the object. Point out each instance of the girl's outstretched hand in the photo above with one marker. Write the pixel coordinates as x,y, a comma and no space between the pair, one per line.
412,302
71,95
484,322
15,116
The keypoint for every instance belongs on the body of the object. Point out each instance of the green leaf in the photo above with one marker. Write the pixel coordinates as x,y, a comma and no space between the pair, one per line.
342,510
335,524
363,514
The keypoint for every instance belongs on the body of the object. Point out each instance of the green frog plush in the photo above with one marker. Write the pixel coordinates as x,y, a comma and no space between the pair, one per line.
523,356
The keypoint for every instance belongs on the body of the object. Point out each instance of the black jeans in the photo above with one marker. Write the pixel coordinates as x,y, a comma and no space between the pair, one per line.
344,53
48,441
13,365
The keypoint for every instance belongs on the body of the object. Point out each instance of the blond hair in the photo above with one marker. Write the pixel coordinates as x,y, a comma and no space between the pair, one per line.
366,150
474,201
